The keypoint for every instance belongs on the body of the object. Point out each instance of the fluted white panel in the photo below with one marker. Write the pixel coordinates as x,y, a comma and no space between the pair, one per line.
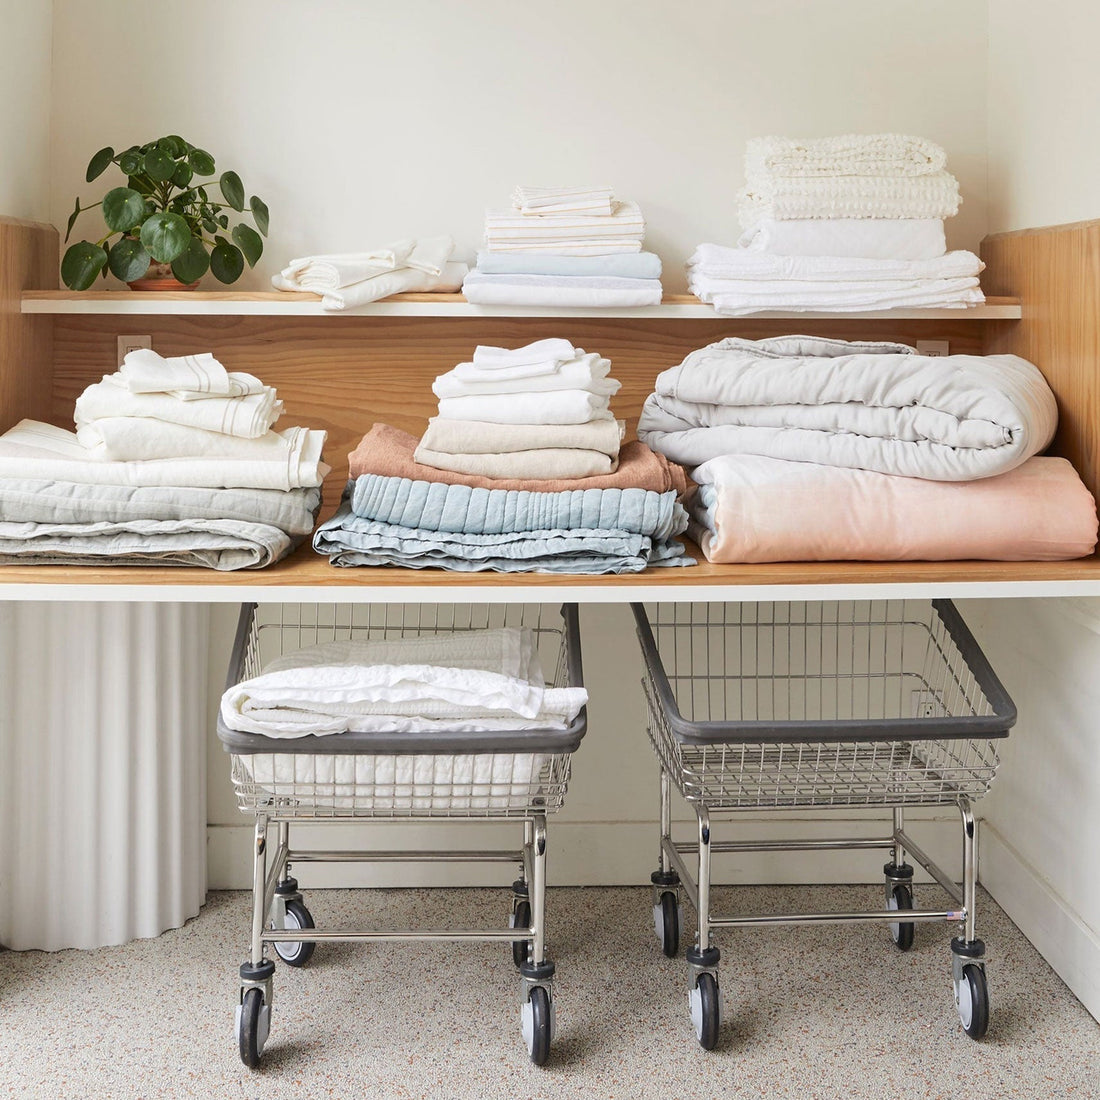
103,716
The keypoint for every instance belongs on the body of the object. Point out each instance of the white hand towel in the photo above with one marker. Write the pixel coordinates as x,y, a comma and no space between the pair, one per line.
330,272
587,372
405,280
554,350
555,407
248,416
144,371
869,238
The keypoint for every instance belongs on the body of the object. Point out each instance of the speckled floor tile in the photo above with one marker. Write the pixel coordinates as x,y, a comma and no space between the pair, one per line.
817,1013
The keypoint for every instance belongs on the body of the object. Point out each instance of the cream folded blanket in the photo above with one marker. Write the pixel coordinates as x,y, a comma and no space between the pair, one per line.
846,155
553,407
562,200
755,509
478,438
331,272
35,450
869,238
586,372
187,377
545,462
247,416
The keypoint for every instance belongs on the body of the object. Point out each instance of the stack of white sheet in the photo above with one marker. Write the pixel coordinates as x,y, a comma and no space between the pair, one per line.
350,279
840,224
174,462
540,411
571,246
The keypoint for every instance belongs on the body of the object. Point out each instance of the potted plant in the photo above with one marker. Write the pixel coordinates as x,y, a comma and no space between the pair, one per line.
170,228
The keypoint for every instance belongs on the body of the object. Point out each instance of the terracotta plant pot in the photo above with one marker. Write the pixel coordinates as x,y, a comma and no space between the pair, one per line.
160,277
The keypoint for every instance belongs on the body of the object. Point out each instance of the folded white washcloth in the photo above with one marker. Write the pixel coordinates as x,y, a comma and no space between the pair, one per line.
188,377
247,416
555,407
715,262
846,155
868,238
554,349
330,272
586,372
562,200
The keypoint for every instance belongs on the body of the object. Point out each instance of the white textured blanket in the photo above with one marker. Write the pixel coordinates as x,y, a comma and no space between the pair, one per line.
846,155
947,418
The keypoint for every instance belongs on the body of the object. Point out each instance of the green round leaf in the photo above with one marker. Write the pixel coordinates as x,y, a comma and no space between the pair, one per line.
165,236
259,212
226,263
250,243
201,161
72,219
123,208
181,177
209,225
192,263
98,164
81,264
173,145
223,221
130,162
158,165
128,260
232,189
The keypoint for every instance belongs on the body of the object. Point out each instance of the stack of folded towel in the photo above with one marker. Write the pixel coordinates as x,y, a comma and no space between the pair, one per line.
521,471
565,247
808,449
350,279
173,463
840,224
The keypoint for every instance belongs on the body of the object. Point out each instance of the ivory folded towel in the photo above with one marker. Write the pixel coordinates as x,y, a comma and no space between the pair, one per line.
846,155
560,290
187,377
628,265
331,272
477,437
562,200
544,462
738,297
870,238
605,246
552,407
247,416
553,350
625,220
586,372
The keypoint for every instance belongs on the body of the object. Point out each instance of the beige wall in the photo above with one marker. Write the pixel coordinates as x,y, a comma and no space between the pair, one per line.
361,122
25,29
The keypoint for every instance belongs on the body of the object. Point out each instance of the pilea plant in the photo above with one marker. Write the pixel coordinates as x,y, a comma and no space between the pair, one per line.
165,215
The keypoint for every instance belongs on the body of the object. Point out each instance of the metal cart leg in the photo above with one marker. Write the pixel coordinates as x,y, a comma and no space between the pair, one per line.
899,885
967,951
521,896
668,912
253,1020
537,972
704,995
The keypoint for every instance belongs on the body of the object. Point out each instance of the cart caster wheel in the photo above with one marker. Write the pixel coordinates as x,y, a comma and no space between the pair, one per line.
901,897
706,1010
521,918
666,922
537,1020
253,1026
295,954
972,1001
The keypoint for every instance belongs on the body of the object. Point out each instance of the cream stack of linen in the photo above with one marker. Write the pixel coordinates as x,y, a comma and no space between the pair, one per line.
174,462
350,279
575,247
843,224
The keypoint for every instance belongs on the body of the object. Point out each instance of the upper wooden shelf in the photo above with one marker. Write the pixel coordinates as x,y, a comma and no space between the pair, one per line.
280,304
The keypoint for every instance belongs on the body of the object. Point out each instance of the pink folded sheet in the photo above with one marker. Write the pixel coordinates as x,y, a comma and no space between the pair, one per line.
756,509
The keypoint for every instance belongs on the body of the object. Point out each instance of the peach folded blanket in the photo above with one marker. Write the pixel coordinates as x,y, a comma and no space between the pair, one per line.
755,509
388,451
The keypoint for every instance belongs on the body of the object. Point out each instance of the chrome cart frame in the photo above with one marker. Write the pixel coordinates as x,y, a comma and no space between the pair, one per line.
416,777
795,706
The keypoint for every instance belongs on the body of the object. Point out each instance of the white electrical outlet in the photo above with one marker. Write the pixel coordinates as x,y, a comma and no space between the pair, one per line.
933,347
926,704
126,344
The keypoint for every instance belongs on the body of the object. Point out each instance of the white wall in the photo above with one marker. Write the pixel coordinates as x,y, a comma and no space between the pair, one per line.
361,122
25,26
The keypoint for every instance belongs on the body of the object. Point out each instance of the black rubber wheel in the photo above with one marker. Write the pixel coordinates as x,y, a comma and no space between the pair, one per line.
972,1001
249,1033
292,953
902,932
706,1027
670,925
521,948
539,1045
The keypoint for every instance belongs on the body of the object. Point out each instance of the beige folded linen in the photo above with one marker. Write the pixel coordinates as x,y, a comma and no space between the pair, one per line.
390,452
479,437
551,407
546,462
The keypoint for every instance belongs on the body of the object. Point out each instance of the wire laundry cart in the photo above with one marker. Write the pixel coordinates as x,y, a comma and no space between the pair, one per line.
491,775
827,705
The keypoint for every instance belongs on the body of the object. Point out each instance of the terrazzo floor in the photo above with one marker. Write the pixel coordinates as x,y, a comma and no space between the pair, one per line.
818,1013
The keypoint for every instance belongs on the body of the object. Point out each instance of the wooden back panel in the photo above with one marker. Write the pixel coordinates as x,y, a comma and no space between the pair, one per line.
1056,273
28,260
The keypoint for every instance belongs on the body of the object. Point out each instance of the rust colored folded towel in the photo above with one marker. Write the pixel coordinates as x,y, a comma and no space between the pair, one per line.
388,451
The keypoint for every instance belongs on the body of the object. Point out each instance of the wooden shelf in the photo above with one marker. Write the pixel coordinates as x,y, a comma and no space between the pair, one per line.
279,304
306,576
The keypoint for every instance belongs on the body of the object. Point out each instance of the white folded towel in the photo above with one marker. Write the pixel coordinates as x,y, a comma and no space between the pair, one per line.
330,272
745,296
478,437
431,255
868,238
562,200
624,221
247,416
544,463
560,290
846,155
555,407
187,377
42,451
604,246
586,372
404,280
554,349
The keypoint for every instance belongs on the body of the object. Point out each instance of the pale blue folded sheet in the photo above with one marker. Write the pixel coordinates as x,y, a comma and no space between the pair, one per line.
631,265
434,506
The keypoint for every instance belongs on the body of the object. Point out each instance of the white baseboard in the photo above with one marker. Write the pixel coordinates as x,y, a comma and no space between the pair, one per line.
1058,933
581,853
